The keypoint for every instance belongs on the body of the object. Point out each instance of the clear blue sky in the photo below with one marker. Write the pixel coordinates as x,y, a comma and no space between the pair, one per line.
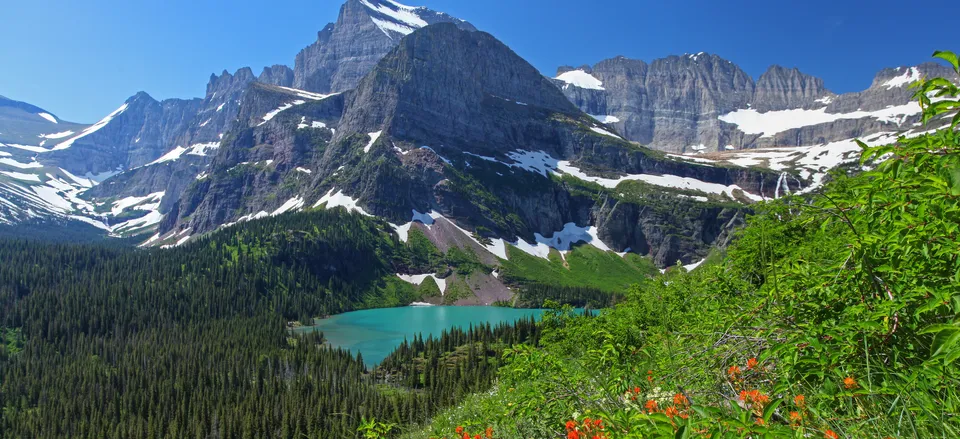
82,59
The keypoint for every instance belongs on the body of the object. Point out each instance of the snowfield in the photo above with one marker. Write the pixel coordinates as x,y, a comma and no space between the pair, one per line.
582,79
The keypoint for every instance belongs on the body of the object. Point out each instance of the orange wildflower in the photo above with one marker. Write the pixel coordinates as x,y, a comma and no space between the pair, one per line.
573,435
466,435
651,406
680,400
752,363
800,400
489,433
760,422
459,430
830,434
733,371
850,383
671,411
476,436
571,425
795,417
650,376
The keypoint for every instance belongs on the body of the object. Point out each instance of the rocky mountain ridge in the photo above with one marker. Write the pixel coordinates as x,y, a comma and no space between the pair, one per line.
704,103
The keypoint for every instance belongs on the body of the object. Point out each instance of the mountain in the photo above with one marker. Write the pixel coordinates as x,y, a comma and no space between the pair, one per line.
158,147
455,135
364,32
704,103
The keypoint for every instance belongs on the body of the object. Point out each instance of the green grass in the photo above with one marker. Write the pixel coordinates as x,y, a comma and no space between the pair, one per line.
585,266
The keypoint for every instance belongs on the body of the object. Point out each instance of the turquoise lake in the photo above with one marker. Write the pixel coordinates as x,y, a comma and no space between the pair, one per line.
377,332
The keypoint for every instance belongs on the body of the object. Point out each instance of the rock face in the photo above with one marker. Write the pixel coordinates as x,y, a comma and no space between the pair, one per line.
364,32
696,103
277,75
136,134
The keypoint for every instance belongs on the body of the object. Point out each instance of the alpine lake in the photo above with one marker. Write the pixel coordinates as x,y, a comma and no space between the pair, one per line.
375,333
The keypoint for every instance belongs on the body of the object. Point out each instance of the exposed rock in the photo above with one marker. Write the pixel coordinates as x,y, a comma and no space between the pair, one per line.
277,75
346,50
674,104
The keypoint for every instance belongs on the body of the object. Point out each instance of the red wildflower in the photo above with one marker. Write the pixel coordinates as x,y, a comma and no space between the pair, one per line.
636,390
466,435
573,435
650,376
571,425
752,363
476,436
459,430
830,434
598,423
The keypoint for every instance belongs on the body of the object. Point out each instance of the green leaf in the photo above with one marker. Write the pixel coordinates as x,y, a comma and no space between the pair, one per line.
950,57
770,410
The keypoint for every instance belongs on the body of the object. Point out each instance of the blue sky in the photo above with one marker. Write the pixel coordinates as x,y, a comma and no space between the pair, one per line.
82,59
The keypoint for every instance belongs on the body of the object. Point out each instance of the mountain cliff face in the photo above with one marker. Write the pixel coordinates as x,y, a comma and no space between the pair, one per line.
364,32
703,103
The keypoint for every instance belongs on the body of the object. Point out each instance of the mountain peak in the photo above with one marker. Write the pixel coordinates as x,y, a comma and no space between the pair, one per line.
447,79
364,32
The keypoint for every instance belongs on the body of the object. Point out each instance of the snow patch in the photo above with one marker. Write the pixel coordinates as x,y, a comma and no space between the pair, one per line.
294,203
910,76
373,139
56,135
269,116
599,130
340,199
751,121
22,176
669,181
582,79
417,279
48,116
16,164
170,156
120,205
605,118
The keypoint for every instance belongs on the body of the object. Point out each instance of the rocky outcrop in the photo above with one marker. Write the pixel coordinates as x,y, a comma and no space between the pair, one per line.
364,32
780,88
276,75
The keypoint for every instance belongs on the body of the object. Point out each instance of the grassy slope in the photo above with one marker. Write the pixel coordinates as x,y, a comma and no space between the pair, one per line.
585,266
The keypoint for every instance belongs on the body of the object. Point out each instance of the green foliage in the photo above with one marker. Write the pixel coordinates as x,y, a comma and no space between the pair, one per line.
584,266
